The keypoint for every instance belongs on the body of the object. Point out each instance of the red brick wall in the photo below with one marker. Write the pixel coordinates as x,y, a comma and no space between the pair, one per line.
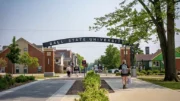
33,52
49,67
127,56
178,64
8,69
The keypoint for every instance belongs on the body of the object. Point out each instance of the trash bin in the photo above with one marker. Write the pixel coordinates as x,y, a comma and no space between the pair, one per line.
133,71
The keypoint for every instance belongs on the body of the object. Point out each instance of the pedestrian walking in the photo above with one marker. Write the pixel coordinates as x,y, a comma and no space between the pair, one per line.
76,70
125,71
68,70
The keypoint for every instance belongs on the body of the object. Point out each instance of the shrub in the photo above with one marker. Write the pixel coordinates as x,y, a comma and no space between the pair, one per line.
1,76
21,79
92,80
156,72
6,81
94,95
144,72
118,74
149,72
92,89
31,78
140,74
3,83
9,79
162,71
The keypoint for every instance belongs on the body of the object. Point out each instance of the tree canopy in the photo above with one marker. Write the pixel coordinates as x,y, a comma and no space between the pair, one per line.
14,53
79,60
156,17
25,59
34,62
111,59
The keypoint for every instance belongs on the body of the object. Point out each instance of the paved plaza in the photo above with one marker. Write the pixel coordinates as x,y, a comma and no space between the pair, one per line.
55,90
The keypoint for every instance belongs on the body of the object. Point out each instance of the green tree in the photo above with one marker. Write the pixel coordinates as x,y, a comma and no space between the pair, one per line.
25,60
14,53
3,62
111,59
34,62
178,49
96,61
135,25
79,60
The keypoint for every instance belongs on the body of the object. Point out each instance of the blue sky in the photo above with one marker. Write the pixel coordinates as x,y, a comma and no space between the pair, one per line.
39,21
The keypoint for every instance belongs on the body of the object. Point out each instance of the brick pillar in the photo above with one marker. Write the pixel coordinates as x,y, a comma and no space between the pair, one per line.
49,62
122,52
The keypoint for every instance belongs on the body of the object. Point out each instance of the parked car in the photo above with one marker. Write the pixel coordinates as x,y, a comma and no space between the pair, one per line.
113,70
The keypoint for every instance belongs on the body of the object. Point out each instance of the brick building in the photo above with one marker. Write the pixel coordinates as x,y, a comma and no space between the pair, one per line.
62,58
33,51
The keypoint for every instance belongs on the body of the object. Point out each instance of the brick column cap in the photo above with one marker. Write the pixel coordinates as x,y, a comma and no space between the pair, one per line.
49,49
127,47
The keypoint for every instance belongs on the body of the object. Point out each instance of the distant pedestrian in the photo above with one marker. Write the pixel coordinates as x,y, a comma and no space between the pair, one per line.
124,73
76,70
140,68
68,70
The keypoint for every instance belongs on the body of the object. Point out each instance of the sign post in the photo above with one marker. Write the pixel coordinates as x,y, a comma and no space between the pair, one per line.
84,65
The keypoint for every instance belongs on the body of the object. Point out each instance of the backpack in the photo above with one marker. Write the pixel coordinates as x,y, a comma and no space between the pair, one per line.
124,69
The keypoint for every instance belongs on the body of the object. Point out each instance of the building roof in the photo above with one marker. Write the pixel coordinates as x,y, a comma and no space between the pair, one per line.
38,46
147,57
6,47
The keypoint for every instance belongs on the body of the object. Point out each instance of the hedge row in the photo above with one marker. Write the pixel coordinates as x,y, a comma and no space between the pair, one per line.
93,92
7,80
150,72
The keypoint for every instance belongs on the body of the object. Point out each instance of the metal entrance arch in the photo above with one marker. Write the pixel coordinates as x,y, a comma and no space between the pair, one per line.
82,39
49,51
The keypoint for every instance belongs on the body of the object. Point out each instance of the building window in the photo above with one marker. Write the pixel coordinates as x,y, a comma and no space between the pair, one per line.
25,49
17,69
39,69
25,69
157,63
2,69
154,63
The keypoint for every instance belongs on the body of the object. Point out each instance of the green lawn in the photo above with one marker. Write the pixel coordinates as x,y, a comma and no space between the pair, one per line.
159,81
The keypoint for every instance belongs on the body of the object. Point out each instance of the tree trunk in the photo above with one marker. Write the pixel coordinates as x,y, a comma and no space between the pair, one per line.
171,43
13,67
162,36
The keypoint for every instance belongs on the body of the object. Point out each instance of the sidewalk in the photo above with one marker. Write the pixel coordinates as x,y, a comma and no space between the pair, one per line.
137,91
81,75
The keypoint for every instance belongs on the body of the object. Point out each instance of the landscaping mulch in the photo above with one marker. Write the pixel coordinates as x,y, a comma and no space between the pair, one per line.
78,87
16,85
